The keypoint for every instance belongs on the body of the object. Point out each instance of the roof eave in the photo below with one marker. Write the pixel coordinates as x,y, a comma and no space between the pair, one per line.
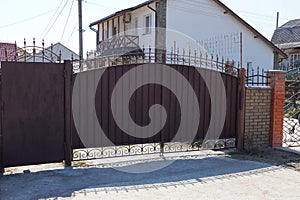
122,12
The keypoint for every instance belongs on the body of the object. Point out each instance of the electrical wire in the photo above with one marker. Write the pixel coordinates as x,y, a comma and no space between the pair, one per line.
72,33
51,19
99,5
67,20
196,3
25,20
56,18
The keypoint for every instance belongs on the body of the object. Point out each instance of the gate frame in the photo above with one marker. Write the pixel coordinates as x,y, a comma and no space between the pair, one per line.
67,74
1,132
68,70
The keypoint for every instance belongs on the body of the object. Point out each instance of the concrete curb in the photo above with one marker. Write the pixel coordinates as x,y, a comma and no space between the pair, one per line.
286,149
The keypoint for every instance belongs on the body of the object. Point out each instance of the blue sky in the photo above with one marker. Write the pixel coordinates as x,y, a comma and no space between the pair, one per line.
56,20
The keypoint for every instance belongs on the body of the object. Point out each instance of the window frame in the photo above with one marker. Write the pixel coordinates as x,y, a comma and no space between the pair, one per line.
148,25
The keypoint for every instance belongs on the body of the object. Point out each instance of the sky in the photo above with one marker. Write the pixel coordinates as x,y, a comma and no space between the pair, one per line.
57,20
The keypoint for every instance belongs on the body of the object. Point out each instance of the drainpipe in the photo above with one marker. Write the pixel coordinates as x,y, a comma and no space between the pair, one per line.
155,49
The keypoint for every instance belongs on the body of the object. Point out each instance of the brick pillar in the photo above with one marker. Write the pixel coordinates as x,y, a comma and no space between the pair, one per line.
277,82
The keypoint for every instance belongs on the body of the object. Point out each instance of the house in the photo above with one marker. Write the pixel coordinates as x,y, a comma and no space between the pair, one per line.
287,38
7,51
54,53
201,26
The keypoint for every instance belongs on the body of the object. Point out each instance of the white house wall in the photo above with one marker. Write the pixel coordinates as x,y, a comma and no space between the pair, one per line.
204,20
145,40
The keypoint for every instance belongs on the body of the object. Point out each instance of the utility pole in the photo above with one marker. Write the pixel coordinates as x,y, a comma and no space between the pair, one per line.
80,30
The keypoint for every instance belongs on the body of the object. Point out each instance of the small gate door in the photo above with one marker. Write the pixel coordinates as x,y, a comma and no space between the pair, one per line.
32,113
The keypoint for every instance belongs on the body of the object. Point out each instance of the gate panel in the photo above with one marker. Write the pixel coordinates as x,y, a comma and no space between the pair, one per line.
32,113
146,96
291,122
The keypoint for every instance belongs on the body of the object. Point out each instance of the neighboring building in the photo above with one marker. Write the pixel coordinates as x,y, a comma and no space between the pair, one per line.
7,52
53,53
287,38
209,22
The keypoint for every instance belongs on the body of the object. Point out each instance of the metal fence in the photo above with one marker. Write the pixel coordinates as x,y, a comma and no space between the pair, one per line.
257,77
291,126
292,72
150,55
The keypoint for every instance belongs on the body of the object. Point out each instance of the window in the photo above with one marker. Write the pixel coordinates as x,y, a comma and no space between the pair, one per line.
148,24
294,59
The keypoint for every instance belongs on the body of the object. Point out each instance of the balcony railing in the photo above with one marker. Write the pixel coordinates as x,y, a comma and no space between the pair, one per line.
118,42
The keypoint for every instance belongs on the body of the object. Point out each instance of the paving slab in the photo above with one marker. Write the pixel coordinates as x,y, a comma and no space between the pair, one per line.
188,177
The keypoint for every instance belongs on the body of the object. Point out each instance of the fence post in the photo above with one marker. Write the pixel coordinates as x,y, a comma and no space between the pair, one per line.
241,108
277,83
68,113
1,130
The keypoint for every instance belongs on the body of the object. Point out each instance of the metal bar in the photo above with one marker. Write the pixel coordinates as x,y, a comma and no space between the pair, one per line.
241,50
161,145
33,52
1,130
5,51
68,110
25,50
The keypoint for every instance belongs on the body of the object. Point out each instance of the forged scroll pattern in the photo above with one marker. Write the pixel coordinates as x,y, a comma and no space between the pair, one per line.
291,122
151,148
291,132
115,151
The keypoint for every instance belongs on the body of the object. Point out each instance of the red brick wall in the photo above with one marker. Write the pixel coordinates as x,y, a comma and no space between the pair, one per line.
277,82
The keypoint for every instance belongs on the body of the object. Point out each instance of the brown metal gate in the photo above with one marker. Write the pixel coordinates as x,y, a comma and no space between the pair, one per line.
33,112
90,142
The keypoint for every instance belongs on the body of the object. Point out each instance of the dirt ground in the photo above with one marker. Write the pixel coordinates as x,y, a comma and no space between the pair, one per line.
271,156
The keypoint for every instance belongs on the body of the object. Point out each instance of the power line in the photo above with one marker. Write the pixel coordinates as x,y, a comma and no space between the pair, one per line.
210,7
99,5
51,19
72,33
56,18
28,19
67,20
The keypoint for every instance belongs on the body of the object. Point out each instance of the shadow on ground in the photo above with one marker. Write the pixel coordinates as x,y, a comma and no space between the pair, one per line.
63,183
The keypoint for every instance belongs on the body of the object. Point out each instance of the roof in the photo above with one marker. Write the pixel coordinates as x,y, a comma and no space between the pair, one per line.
228,10
10,49
65,51
287,33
